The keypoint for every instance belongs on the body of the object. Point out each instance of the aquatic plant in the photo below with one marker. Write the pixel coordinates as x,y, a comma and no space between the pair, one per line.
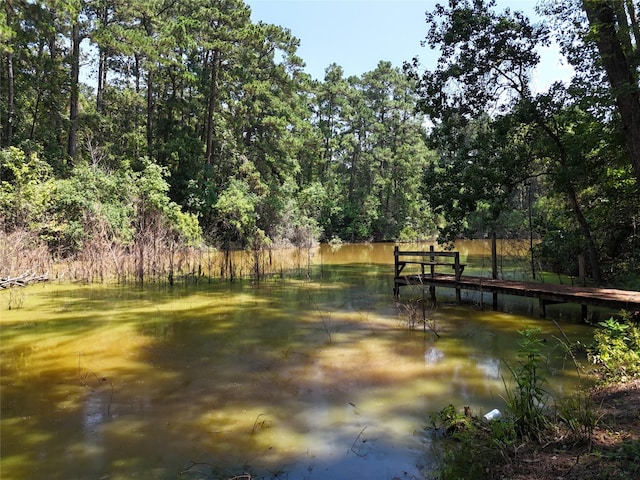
479,445
16,298
260,423
415,312
527,399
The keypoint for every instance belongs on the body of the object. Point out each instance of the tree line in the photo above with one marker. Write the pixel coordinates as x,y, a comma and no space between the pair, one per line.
176,122
194,94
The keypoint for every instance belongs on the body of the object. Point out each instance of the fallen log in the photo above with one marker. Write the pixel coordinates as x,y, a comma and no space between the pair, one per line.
22,280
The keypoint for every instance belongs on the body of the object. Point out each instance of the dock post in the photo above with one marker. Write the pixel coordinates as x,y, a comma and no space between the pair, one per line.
432,288
456,263
396,287
494,266
543,308
431,259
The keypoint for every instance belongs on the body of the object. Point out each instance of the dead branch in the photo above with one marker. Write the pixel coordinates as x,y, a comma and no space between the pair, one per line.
22,280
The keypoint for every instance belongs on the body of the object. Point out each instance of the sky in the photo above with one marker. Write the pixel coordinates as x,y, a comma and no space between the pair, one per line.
357,34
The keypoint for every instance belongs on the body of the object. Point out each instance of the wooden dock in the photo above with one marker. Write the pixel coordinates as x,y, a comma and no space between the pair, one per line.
546,294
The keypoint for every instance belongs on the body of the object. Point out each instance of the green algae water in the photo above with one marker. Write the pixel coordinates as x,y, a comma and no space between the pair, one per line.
313,376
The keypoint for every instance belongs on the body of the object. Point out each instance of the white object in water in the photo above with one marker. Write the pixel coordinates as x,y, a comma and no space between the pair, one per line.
492,415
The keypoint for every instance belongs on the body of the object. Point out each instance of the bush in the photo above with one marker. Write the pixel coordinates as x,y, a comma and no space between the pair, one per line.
25,189
616,349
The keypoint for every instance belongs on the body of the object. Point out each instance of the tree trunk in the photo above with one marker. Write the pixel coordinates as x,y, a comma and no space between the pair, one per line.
213,98
592,252
572,197
102,66
620,72
150,108
624,31
74,93
136,71
635,26
10,84
10,99
102,76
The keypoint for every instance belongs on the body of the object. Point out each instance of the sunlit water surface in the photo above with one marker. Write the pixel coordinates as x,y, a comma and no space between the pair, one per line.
312,377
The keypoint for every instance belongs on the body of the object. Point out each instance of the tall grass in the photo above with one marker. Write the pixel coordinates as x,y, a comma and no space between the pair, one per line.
527,399
157,258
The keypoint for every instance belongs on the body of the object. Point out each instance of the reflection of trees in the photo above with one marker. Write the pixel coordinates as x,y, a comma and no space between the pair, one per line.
433,355
490,366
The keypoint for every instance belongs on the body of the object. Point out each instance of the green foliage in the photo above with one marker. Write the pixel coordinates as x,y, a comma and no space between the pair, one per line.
558,251
373,156
450,419
91,206
527,399
616,349
219,106
504,436
185,224
481,52
150,196
504,158
485,155
215,104
26,185
456,459
5,33
236,214
629,453
579,415
470,448
473,186
479,446
88,204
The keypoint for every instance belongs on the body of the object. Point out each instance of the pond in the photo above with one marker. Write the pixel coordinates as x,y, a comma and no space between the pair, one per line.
318,375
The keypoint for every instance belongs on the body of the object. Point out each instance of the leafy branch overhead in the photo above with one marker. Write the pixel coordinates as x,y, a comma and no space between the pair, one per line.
504,145
486,60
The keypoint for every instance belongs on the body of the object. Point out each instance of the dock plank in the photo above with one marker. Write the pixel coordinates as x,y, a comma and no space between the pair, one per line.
603,297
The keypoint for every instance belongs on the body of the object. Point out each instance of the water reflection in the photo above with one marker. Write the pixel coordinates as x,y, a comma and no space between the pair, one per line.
316,377
433,355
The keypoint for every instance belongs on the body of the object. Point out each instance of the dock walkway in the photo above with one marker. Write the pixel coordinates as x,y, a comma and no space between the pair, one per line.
547,294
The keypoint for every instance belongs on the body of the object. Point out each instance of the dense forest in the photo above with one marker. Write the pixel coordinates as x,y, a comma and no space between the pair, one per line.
186,123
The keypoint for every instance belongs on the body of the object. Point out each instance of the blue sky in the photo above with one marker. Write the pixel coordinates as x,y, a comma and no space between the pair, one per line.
357,34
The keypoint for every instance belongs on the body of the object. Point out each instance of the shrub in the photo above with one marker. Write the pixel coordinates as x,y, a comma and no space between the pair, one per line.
616,349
